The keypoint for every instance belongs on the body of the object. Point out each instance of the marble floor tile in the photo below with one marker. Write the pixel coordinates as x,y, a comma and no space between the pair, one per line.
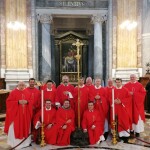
138,144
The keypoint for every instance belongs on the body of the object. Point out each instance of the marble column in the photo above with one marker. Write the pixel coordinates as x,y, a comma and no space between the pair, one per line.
45,73
2,40
98,53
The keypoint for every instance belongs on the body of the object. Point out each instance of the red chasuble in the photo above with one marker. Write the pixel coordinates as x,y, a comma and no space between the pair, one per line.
35,97
61,96
137,107
121,110
50,95
85,96
18,114
93,118
91,90
101,104
62,116
49,118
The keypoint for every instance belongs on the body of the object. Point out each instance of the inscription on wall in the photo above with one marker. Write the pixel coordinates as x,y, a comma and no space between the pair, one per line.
73,3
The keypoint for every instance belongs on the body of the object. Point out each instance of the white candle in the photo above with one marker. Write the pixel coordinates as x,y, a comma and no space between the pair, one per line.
42,103
113,106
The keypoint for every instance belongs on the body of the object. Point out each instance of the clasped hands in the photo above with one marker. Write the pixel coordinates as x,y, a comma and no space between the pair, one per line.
117,101
92,127
39,124
97,97
66,93
23,102
131,93
65,125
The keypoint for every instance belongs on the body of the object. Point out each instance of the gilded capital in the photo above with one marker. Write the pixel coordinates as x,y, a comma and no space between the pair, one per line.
46,18
98,18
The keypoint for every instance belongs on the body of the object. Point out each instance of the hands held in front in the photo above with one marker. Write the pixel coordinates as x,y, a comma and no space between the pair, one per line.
23,102
64,126
97,97
117,101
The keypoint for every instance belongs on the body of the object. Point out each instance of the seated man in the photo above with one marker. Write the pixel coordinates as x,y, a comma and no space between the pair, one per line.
50,128
93,124
65,123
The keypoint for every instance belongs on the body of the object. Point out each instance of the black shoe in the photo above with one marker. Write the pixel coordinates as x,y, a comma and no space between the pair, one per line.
125,139
137,134
106,135
131,134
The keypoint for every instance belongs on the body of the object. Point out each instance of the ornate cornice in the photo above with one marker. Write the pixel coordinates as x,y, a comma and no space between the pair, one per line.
98,18
46,18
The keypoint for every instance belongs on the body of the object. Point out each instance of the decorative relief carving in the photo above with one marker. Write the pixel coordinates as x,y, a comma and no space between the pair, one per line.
45,18
99,18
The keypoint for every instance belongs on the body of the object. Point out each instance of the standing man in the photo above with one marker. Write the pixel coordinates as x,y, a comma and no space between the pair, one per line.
65,123
64,91
18,117
90,86
138,93
35,95
101,104
93,124
50,129
85,96
121,105
50,92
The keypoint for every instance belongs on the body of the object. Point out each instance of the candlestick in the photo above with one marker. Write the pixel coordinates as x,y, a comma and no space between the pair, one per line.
113,106
42,103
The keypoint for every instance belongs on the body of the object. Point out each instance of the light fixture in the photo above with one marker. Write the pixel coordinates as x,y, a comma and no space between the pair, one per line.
16,25
129,25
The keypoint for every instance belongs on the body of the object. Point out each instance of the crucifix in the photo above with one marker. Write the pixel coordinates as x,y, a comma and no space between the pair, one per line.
78,44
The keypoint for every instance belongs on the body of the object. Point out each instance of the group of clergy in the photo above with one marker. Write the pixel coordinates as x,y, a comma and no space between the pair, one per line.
89,106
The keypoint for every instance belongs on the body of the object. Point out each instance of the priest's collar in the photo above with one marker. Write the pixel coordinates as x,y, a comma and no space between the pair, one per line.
65,108
48,108
81,86
91,110
119,87
133,82
98,87
49,89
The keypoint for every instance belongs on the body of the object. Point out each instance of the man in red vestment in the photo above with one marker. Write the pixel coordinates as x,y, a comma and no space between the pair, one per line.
35,95
65,122
90,86
18,117
64,91
101,104
84,95
138,93
108,88
50,92
93,124
50,128
121,104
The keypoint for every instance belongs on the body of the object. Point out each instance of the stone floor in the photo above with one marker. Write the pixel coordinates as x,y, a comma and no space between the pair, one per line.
135,144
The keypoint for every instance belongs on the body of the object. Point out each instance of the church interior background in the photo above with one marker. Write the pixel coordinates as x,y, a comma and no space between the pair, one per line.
36,38
37,35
